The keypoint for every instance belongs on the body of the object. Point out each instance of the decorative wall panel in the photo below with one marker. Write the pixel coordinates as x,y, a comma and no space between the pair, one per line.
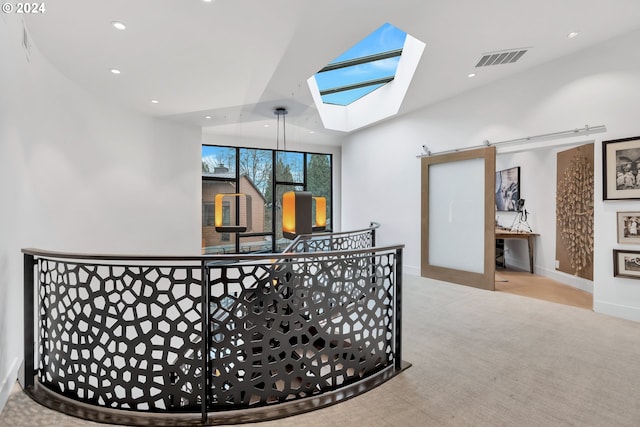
574,211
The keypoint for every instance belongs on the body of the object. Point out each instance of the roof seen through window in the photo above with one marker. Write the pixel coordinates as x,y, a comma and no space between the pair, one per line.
367,66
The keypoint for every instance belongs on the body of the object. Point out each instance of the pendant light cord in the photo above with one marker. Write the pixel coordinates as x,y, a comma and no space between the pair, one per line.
284,132
281,111
278,133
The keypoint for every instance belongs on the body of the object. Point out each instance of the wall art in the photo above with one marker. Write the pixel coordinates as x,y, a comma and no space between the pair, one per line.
626,263
629,227
621,163
508,189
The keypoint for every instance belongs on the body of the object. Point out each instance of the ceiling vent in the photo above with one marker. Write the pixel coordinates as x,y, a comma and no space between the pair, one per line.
501,57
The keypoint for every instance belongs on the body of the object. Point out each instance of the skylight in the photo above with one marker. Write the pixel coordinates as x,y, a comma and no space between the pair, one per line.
365,67
368,82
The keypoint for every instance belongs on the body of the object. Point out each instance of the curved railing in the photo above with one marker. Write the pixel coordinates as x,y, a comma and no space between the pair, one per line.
342,241
163,340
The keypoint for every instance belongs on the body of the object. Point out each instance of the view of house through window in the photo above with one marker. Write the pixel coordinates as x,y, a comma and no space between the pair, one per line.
263,176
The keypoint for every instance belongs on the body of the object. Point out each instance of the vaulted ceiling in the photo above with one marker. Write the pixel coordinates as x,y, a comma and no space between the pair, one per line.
236,60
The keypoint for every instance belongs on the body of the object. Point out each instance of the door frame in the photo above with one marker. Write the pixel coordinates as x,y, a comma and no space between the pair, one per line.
485,280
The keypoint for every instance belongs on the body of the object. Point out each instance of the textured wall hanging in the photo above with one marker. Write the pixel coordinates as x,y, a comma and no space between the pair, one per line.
574,212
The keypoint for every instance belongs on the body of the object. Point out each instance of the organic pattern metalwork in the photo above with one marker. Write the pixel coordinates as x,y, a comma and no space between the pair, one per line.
125,337
130,336
332,242
299,329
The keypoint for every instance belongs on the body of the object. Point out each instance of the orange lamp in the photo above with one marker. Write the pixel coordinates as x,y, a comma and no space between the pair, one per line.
296,214
320,214
237,228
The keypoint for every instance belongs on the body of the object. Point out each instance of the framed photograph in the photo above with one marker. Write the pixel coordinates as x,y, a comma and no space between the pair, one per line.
620,165
508,189
629,227
626,264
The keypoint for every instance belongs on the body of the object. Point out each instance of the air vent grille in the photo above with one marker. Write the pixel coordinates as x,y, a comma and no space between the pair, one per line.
502,57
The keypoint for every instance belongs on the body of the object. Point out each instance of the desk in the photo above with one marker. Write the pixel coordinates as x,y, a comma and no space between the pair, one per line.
502,233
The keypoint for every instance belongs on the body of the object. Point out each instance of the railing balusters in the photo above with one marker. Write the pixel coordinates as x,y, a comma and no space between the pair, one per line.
28,320
204,289
398,309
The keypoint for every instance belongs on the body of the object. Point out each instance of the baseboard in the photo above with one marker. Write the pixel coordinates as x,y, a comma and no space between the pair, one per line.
567,279
617,310
8,382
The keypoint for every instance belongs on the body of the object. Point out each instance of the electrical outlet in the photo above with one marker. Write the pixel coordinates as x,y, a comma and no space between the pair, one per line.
557,264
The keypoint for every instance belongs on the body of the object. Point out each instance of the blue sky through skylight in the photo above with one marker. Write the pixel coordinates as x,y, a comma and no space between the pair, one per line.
384,39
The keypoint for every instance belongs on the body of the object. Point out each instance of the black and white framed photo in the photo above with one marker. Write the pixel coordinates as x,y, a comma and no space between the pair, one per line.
508,189
626,264
620,165
629,227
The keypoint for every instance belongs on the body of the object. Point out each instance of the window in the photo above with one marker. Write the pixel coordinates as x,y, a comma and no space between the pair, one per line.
263,175
362,69
207,214
226,220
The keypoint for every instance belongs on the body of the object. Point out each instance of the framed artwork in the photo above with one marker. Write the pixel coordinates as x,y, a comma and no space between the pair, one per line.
620,165
626,263
508,189
629,227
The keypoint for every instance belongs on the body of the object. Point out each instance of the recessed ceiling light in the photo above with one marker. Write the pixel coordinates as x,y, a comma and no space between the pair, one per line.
266,126
154,101
207,117
471,75
572,35
114,71
208,1
118,25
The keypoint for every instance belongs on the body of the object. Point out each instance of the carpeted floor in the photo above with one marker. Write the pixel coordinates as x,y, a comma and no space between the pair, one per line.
479,358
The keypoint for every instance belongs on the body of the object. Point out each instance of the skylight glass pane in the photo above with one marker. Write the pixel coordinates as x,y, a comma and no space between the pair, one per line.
349,96
387,38
384,39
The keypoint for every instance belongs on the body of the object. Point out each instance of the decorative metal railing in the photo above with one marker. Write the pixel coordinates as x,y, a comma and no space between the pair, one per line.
343,241
209,339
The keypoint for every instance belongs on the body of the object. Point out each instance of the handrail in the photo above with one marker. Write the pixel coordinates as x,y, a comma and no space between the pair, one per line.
232,258
333,237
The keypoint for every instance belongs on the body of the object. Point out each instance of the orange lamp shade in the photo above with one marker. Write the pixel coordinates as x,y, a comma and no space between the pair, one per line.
321,213
296,213
238,228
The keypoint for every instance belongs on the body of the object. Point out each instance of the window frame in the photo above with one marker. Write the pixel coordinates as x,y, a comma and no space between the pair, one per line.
273,202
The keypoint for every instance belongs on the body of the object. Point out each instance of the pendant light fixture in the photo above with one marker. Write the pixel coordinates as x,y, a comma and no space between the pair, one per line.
298,206
242,204
296,214
241,201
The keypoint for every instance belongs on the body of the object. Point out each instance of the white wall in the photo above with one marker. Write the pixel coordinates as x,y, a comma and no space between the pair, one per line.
80,175
598,86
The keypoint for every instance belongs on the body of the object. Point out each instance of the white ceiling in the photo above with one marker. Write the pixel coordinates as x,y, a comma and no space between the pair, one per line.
236,60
